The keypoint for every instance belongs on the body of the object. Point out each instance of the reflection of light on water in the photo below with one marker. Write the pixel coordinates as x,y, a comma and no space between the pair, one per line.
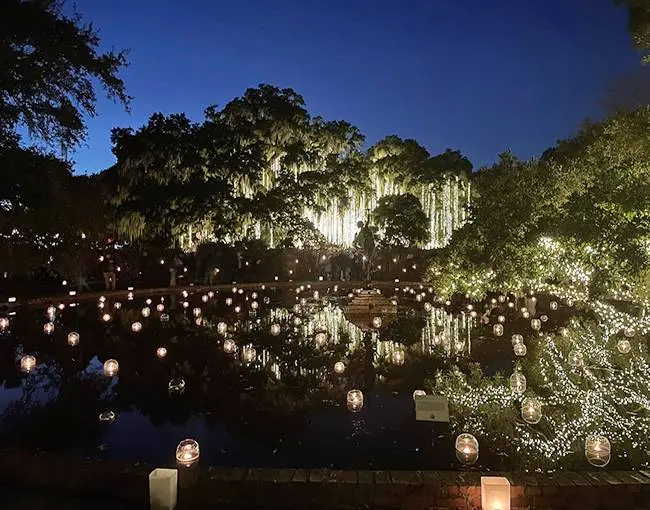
446,331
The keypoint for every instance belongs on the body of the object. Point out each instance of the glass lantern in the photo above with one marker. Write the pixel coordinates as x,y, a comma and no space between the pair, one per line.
598,450
466,449
111,367
73,338
355,400
531,410
188,452
518,382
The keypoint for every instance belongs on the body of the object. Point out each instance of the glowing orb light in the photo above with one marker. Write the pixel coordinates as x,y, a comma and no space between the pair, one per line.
111,367
188,452
73,338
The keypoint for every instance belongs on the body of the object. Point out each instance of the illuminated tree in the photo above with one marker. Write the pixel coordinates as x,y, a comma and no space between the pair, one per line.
402,221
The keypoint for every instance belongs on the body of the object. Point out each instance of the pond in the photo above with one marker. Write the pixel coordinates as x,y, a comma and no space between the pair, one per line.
260,377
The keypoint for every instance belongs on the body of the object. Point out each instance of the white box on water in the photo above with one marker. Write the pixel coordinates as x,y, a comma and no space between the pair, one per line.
432,408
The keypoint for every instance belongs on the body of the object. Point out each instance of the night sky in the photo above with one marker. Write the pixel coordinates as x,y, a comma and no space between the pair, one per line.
482,76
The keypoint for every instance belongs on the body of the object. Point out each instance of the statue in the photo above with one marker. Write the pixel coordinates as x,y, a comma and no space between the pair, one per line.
364,244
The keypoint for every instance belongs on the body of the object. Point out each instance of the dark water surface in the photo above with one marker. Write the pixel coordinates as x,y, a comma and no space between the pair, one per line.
287,408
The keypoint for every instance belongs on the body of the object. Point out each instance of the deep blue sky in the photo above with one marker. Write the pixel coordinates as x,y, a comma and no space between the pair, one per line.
478,75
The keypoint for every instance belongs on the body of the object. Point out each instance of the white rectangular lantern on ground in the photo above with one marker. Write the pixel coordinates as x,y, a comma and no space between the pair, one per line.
163,489
432,408
495,493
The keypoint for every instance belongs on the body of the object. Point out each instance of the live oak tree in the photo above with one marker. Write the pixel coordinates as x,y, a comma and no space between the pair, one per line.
588,195
51,66
402,221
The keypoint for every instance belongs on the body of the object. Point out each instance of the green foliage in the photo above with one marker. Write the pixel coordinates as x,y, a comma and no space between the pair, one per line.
588,195
50,68
40,201
402,221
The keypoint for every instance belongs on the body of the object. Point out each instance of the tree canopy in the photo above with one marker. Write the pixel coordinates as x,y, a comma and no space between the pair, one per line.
51,66
402,221
584,200
251,169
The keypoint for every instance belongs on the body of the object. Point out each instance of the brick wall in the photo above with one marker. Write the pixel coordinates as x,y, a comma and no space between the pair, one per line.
203,487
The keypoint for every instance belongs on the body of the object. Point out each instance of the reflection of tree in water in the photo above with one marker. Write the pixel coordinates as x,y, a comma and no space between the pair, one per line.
266,401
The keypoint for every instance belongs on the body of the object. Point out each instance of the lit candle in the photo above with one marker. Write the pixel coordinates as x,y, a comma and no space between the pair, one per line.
27,363
187,452
111,367
73,338
355,400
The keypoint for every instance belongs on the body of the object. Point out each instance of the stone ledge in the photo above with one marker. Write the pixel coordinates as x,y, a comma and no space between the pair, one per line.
201,487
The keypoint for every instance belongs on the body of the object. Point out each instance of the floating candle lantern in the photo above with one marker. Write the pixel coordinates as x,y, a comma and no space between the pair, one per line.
624,346
106,317
518,382
107,417
136,327
339,367
176,386
160,307
111,367
48,328
229,345
419,393
497,329
531,410
222,327
598,450
355,400
27,363
275,329
466,449
146,311
520,350
161,352
204,298
73,338
187,452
